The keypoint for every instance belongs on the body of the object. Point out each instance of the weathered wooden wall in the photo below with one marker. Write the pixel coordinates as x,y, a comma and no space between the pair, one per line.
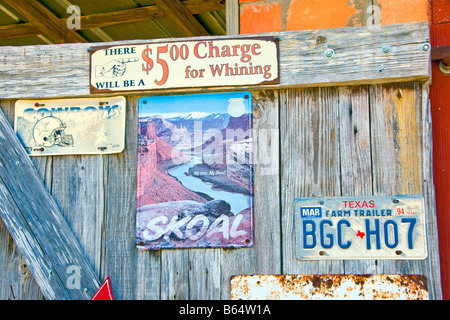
335,127
328,141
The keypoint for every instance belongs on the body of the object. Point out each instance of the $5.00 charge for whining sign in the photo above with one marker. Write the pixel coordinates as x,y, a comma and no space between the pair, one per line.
202,63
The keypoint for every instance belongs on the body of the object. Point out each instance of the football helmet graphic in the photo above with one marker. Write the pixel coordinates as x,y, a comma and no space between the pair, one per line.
49,131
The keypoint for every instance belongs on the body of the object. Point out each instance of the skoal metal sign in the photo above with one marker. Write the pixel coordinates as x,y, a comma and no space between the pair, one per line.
200,63
71,126
373,227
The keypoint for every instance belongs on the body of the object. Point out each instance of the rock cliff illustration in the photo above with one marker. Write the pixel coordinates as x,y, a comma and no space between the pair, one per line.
195,175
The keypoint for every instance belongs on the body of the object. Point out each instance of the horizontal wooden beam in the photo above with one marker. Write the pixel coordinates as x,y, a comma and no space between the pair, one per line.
19,30
107,19
38,228
182,17
47,71
45,21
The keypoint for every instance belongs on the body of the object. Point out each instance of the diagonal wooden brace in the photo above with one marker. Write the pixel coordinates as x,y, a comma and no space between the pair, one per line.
43,237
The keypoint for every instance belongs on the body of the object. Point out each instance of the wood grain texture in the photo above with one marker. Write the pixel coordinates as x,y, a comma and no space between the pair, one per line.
358,60
232,12
433,264
19,30
37,225
107,19
182,17
17,282
326,141
205,271
45,21
355,155
77,187
265,255
128,268
309,132
395,146
400,148
357,141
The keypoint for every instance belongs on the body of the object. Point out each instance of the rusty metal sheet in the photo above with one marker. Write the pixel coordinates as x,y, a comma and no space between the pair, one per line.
71,126
329,287
372,227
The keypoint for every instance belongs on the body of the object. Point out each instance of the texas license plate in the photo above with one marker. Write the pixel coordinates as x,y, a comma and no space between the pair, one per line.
71,126
373,227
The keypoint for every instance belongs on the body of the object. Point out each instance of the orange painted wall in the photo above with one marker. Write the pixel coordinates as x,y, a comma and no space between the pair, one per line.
261,17
318,14
289,15
404,11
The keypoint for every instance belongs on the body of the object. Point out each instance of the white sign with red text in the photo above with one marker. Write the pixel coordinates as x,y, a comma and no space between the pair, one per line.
372,227
202,63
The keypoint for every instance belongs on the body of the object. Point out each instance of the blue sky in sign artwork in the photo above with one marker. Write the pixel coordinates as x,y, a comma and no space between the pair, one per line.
168,106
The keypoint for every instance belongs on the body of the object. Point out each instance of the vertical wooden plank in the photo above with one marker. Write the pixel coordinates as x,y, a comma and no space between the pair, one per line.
16,281
8,110
175,274
205,274
266,139
395,146
310,164
37,225
397,120
395,153
265,256
77,187
147,277
9,263
44,166
129,269
355,155
232,16
354,135
433,263
29,290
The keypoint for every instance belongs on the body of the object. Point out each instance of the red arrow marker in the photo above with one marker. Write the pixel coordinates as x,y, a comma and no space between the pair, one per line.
104,292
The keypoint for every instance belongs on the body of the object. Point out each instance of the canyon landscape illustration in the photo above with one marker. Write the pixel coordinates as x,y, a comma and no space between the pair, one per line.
195,172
